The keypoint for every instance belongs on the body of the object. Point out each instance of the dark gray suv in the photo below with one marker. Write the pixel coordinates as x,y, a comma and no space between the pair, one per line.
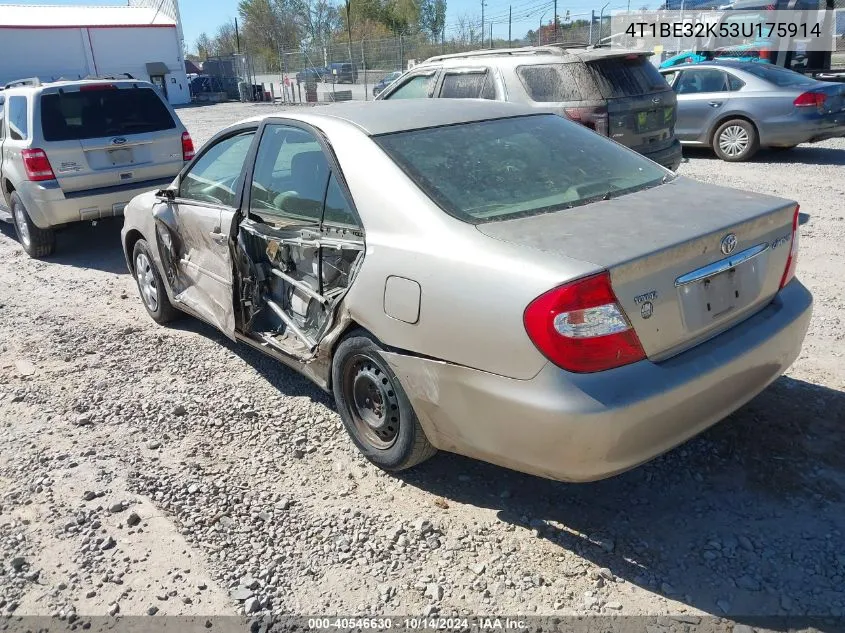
619,94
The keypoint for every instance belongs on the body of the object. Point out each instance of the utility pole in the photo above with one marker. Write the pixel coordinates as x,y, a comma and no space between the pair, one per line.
555,19
237,36
510,16
592,21
491,33
482,22
349,32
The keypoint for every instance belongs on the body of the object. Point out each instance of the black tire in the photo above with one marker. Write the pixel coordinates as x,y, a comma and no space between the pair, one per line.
736,140
148,280
36,242
387,432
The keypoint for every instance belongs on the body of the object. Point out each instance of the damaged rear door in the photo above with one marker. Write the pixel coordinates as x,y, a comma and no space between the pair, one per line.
300,244
193,230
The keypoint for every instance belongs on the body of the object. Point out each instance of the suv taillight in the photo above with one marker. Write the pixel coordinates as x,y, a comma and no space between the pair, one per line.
37,166
187,147
581,327
594,118
792,260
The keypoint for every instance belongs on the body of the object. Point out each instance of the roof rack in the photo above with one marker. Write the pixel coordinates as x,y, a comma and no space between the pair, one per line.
108,77
570,45
31,81
524,50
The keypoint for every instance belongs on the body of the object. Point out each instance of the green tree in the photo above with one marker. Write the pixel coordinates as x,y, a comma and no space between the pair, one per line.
433,18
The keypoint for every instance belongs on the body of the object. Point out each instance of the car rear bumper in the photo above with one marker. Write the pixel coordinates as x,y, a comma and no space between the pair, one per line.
670,157
583,427
797,131
49,206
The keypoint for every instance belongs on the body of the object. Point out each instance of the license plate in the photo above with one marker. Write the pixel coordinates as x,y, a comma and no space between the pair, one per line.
120,156
648,120
721,293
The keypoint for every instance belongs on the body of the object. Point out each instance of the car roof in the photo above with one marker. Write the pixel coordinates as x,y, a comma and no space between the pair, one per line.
33,86
386,117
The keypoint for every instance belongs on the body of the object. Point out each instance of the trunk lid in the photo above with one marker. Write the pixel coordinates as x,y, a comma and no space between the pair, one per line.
108,135
662,247
835,93
641,107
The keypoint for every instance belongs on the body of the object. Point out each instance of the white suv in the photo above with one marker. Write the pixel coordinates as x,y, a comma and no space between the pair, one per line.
73,151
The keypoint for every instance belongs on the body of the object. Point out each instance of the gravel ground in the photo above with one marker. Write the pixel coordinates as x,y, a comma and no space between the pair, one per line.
166,470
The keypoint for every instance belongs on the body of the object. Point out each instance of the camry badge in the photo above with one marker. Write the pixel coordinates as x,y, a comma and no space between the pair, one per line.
728,243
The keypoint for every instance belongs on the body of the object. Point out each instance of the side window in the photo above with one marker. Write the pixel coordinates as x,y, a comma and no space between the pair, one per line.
547,83
735,83
337,209
416,87
216,175
489,90
2,113
463,85
291,175
670,77
704,80
18,121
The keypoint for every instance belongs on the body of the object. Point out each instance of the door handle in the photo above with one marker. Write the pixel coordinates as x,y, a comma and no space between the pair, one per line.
715,104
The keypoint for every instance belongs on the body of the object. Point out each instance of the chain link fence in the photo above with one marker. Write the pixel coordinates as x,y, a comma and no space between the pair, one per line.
342,71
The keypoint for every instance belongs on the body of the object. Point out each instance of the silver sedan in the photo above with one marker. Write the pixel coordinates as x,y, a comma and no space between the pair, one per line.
480,278
739,107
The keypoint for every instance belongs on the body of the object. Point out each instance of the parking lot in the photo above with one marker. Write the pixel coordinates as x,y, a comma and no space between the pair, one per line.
170,471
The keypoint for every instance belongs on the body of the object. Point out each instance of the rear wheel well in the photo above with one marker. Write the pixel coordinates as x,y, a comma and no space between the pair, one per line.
351,327
729,117
131,239
7,190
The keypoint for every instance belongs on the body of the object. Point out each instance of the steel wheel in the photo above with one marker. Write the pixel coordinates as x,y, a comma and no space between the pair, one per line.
146,281
22,226
372,401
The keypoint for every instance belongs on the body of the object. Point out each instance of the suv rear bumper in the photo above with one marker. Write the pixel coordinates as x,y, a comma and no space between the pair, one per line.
49,206
670,157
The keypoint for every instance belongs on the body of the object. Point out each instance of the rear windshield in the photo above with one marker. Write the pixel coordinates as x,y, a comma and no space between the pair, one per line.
507,168
107,112
624,77
778,76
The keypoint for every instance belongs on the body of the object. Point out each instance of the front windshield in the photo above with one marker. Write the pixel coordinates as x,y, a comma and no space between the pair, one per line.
521,166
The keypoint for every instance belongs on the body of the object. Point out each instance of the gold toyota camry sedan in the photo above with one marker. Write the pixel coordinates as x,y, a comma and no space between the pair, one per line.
481,278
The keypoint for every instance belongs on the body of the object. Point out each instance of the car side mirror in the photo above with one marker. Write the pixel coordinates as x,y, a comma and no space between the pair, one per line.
166,195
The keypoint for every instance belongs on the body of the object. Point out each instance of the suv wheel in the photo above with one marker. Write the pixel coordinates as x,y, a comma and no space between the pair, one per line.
735,140
36,242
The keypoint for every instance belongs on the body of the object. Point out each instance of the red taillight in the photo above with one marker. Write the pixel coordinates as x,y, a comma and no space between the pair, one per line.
763,54
37,165
792,260
810,100
581,327
593,118
187,147
93,87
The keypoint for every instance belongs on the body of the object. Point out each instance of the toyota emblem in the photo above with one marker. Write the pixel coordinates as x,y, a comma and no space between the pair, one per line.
728,243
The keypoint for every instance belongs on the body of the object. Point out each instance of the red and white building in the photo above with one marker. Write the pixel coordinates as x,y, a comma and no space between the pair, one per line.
71,42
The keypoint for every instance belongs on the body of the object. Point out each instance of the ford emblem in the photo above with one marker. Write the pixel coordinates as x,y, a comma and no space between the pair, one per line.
118,141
